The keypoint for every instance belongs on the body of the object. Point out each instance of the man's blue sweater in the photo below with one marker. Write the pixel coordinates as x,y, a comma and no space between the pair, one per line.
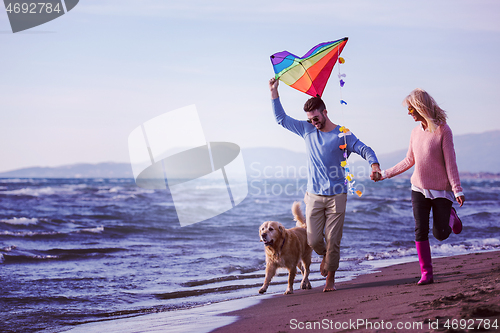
325,175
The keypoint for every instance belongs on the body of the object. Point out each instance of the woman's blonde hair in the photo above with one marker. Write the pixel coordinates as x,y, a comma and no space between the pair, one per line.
427,107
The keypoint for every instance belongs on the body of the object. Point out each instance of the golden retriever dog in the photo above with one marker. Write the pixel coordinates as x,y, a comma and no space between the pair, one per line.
286,248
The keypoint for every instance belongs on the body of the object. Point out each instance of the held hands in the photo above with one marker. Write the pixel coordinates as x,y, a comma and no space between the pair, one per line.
376,174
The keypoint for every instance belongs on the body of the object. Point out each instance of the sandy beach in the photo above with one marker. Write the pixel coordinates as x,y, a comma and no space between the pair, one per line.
464,298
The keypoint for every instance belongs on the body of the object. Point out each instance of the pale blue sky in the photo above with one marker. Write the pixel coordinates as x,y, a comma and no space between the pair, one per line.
73,89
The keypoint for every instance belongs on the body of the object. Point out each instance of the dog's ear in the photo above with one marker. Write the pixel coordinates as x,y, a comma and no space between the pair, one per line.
282,229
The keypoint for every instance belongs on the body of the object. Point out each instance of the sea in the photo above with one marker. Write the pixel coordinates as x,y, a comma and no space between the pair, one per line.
80,252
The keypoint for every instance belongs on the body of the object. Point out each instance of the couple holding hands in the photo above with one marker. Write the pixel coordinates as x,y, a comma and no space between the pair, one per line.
435,182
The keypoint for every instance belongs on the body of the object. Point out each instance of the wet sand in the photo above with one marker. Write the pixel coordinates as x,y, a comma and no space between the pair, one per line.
465,297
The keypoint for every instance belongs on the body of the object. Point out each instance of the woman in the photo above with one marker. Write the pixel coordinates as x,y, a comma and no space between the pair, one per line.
435,180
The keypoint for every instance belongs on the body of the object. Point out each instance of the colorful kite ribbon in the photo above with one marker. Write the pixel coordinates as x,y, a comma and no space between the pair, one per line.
349,177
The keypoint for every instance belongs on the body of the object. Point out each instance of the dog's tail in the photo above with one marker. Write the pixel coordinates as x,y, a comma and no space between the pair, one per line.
298,216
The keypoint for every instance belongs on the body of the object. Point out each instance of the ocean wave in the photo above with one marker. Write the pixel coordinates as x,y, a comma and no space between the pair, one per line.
123,197
6,249
486,189
11,258
45,299
66,189
219,279
95,230
17,256
20,220
35,234
30,233
21,180
122,192
469,246
107,189
32,192
199,292
392,254
42,191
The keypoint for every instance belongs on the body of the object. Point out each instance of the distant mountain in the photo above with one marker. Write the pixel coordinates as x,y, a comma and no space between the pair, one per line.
82,170
476,153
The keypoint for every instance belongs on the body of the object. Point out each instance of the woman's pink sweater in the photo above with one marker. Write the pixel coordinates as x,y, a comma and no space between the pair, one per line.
433,155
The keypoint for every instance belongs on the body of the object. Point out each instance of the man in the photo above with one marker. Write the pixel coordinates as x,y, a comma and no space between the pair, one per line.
326,194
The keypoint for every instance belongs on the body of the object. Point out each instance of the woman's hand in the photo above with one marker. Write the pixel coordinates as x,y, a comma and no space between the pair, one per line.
461,200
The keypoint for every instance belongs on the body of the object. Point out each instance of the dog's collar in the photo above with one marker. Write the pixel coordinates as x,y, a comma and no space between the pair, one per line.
284,239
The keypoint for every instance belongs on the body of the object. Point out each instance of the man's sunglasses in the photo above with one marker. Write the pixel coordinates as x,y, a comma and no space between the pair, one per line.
312,119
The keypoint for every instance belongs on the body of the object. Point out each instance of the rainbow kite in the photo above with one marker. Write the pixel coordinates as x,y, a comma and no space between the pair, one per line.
309,73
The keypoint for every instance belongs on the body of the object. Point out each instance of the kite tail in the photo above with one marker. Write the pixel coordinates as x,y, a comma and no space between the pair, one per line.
349,177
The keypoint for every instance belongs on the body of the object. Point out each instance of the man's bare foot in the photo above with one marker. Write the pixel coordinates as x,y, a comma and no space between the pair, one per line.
322,268
330,282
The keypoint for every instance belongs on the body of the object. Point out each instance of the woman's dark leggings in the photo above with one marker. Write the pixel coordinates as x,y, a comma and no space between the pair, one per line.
441,209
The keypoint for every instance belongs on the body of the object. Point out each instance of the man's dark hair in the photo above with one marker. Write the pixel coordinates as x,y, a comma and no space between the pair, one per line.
314,103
